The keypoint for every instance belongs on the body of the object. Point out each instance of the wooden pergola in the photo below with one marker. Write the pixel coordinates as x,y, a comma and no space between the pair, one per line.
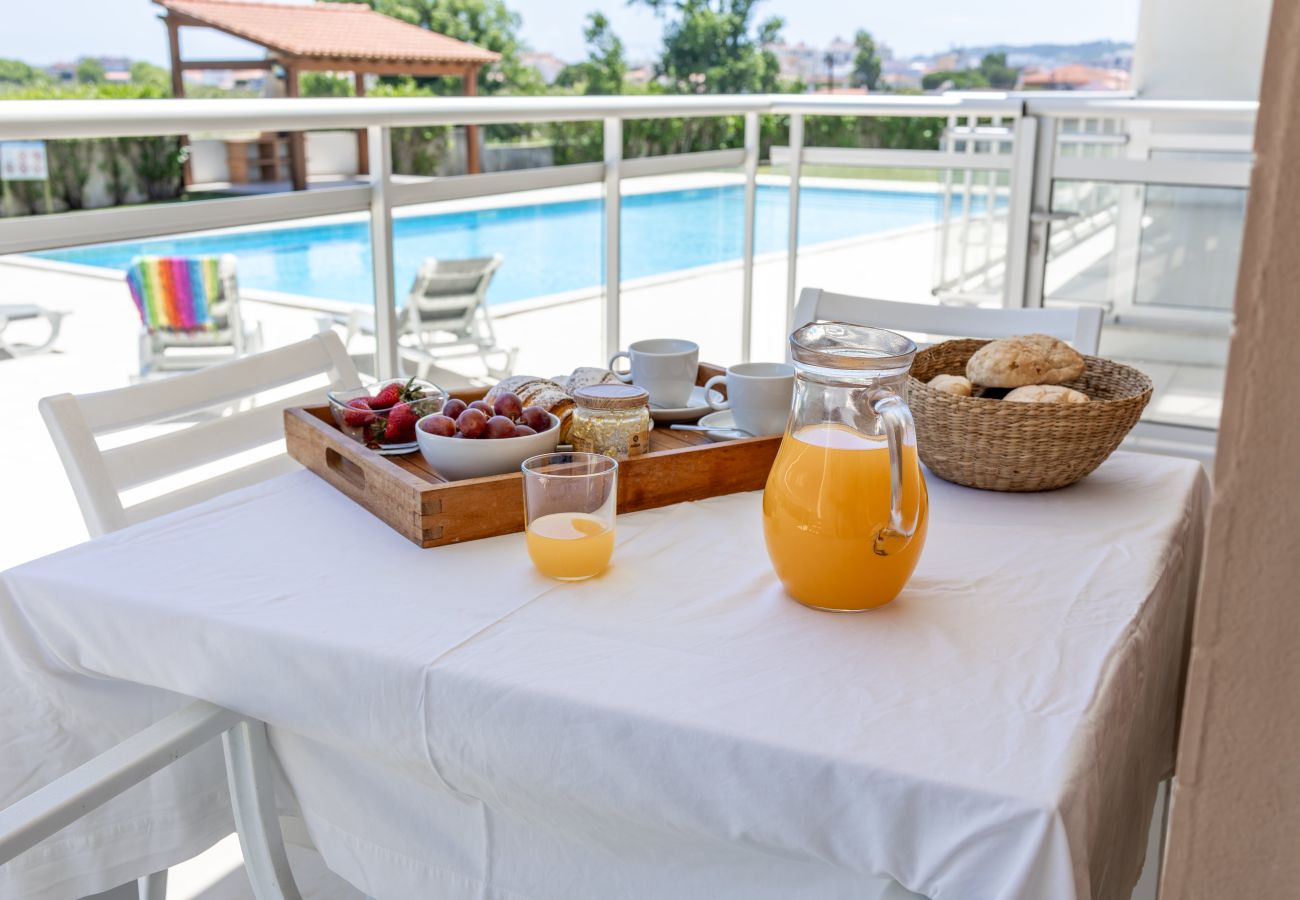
326,37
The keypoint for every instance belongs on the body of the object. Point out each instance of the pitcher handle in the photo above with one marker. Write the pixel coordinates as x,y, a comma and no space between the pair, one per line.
899,430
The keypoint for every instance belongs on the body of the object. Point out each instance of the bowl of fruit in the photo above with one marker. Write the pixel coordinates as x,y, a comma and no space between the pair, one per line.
473,440
383,416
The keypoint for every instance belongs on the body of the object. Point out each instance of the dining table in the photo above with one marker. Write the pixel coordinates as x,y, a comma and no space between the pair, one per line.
450,723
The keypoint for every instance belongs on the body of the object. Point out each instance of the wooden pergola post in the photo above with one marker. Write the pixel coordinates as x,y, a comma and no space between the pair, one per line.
469,88
363,142
297,143
178,87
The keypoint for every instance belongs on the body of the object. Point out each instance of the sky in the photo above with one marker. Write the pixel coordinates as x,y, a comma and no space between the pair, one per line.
55,30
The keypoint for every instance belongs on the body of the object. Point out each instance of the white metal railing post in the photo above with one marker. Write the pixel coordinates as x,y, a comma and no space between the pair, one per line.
610,338
796,172
1018,211
379,140
747,262
1040,208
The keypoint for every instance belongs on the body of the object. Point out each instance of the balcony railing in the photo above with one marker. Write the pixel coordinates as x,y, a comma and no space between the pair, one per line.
1023,179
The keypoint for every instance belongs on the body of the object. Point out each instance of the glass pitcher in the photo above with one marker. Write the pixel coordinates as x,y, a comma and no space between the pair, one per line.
845,508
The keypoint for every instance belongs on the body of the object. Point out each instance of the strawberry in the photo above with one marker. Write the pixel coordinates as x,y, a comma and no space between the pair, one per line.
401,425
362,417
390,394
395,393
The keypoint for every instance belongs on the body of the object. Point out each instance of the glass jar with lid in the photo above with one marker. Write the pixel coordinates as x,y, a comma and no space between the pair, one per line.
613,419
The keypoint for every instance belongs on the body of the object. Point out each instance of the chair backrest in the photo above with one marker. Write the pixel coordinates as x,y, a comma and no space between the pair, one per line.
174,451
184,293
1079,325
447,293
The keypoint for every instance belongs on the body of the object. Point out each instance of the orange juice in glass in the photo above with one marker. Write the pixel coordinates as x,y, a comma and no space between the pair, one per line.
570,501
845,508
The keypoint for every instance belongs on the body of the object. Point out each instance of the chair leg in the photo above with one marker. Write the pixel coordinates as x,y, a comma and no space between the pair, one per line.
248,767
153,887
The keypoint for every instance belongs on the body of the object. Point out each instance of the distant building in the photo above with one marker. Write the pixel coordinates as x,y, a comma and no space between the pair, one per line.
798,62
116,68
901,75
1073,77
547,65
639,73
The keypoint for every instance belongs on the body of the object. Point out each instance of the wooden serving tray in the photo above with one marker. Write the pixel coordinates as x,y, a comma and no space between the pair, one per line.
418,503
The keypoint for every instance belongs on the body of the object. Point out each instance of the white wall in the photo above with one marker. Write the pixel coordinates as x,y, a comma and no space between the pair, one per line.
331,153
1200,49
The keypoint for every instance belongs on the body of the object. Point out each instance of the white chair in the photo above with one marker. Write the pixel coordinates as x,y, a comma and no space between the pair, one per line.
98,478
446,316
1080,326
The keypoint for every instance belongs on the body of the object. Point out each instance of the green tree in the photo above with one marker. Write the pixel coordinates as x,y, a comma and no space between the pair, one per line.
148,73
89,71
995,70
485,23
714,47
325,84
16,72
866,61
963,80
605,67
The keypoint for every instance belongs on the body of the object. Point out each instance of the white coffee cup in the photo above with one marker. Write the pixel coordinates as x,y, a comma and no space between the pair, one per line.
665,367
759,396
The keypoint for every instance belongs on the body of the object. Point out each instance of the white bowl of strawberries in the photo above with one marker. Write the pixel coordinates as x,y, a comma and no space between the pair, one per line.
474,440
383,416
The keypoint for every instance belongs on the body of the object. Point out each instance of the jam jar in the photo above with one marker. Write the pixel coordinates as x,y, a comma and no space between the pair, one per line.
613,419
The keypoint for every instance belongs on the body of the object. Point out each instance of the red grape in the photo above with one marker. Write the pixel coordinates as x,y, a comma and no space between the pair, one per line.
500,427
482,407
536,418
441,425
508,405
453,408
472,423
522,430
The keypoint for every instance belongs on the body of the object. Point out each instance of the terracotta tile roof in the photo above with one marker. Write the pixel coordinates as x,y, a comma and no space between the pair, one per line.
329,31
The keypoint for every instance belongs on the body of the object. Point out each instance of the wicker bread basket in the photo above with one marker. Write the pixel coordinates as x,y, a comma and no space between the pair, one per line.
1000,446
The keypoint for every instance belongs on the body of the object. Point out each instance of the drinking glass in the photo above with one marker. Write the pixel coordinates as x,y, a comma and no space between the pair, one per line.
570,500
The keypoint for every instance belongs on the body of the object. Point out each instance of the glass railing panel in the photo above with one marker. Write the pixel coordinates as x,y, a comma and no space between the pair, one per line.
913,235
543,301
1162,260
681,259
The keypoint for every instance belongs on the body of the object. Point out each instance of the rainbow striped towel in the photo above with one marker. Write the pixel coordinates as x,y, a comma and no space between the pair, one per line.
175,293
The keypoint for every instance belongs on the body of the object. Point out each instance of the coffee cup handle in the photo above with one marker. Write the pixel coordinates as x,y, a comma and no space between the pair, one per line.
621,376
719,405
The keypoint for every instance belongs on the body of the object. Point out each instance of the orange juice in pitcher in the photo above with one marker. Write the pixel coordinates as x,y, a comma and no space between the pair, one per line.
845,508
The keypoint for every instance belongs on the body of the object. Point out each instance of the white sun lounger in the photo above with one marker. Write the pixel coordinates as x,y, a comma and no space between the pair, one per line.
27,312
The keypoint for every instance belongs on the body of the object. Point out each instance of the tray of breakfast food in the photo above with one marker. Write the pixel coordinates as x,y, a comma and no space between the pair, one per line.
444,467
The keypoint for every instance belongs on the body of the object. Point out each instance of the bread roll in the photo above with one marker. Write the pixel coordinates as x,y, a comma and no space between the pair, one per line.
1045,393
951,384
585,376
1032,359
534,391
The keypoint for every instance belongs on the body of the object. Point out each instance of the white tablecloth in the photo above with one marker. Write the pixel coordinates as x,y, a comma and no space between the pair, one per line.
452,724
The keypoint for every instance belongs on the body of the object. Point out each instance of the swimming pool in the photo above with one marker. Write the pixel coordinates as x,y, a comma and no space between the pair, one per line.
549,248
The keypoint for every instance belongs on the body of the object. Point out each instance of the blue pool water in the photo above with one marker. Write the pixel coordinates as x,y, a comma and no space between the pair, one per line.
548,247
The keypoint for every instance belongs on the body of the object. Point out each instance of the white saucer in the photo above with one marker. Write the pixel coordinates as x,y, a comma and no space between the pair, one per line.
695,407
397,449
721,419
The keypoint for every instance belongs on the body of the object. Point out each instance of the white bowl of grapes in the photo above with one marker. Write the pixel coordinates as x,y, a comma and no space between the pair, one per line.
477,439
